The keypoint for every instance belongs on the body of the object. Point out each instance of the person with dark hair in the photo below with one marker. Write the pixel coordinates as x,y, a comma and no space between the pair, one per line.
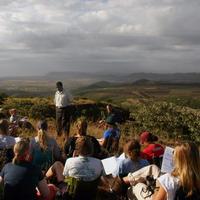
133,161
111,136
152,151
20,177
110,113
82,165
62,102
182,183
6,141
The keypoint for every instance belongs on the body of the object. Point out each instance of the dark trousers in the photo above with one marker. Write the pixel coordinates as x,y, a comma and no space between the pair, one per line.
63,120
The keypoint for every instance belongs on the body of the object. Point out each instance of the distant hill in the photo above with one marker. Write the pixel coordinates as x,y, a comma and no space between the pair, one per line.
84,82
112,77
170,78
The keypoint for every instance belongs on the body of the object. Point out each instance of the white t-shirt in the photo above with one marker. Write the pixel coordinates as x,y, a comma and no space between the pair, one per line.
170,184
85,168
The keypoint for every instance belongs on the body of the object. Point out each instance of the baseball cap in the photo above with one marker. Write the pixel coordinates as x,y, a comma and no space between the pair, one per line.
144,136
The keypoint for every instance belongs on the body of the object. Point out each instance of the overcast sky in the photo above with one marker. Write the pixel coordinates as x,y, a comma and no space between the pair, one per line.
39,36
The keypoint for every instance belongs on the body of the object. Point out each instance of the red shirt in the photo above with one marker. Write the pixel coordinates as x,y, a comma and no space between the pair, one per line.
152,150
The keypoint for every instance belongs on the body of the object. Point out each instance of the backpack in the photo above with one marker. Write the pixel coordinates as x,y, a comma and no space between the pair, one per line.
182,195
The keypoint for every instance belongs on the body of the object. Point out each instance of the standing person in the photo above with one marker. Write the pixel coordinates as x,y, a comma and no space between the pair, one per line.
62,101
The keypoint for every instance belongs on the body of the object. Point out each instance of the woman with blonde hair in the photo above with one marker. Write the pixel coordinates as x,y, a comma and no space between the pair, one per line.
81,130
185,176
20,177
183,183
44,149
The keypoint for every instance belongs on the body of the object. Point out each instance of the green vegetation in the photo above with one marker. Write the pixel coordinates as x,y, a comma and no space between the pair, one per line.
172,111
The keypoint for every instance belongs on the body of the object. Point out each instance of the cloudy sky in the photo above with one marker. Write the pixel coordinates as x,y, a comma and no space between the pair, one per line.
38,36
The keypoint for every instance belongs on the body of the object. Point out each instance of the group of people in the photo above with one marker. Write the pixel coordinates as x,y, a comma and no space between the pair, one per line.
37,168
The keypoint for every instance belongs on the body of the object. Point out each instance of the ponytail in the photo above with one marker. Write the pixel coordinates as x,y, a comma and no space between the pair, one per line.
42,139
82,126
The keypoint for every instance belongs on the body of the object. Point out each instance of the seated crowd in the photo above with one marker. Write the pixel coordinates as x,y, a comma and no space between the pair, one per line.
39,169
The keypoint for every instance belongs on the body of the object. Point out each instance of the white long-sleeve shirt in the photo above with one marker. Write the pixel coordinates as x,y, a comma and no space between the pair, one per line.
62,99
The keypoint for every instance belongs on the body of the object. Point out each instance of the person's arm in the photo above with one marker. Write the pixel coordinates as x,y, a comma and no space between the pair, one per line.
54,100
160,194
1,179
66,168
43,188
103,140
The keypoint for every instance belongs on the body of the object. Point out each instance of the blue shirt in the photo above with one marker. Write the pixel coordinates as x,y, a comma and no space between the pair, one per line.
111,131
127,165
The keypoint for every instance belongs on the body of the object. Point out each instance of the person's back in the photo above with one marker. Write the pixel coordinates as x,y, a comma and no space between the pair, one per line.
20,178
6,141
152,151
20,181
44,149
133,161
83,167
111,138
128,166
69,146
81,126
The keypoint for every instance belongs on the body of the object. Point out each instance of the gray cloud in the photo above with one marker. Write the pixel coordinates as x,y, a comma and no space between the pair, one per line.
92,35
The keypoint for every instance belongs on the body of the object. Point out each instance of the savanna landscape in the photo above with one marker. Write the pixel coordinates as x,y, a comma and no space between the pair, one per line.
167,108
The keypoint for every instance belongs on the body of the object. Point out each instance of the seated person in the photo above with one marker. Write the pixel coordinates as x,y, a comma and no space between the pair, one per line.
110,114
152,150
17,121
81,128
14,118
20,177
111,136
182,183
133,161
142,183
44,149
6,141
83,166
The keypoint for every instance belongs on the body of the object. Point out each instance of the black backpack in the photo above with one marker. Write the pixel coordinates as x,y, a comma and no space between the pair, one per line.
182,195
